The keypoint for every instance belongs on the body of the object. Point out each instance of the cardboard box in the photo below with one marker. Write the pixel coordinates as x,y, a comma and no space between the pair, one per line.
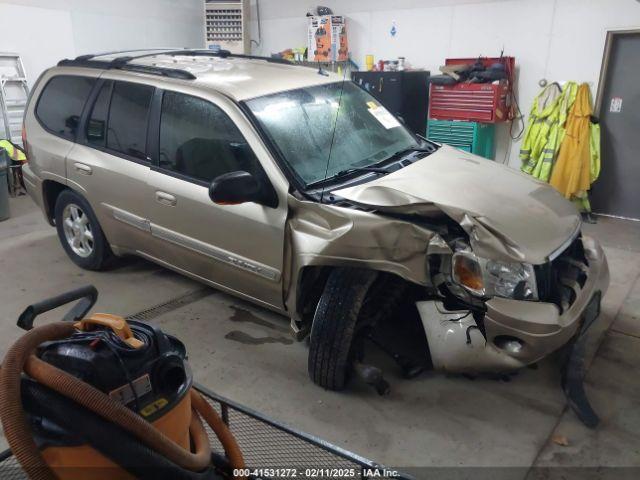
327,39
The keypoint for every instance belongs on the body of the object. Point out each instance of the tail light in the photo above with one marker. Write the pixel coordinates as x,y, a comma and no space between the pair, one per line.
24,143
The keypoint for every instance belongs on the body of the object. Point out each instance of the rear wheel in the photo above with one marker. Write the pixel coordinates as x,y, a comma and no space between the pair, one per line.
80,233
335,326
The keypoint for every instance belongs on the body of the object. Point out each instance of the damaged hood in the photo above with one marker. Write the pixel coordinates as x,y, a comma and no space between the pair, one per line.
507,214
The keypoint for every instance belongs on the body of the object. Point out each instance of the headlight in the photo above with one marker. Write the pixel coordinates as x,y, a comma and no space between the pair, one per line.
488,278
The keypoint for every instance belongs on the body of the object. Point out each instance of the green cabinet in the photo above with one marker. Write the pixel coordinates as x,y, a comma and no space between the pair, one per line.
474,137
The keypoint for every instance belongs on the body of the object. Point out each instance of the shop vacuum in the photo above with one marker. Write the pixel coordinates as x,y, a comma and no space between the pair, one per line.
97,397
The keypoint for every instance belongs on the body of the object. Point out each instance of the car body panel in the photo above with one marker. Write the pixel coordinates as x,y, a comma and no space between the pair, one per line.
116,189
47,152
218,242
327,235
504,211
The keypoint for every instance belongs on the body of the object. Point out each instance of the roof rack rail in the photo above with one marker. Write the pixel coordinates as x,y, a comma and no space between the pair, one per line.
215,53
227,53
123,63
90,56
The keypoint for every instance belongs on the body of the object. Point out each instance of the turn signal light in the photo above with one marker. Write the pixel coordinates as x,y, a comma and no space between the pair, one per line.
467,272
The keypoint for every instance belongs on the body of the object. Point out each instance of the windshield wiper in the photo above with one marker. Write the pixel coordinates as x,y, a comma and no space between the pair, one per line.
342,173
361,169
372,168
405,151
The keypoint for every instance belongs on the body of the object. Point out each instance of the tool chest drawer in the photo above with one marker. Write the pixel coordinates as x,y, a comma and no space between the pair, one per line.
471,137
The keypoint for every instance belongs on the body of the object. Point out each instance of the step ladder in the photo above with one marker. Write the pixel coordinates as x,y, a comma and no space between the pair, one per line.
14,93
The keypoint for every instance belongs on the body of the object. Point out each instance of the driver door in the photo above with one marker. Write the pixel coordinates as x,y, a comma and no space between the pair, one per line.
238,248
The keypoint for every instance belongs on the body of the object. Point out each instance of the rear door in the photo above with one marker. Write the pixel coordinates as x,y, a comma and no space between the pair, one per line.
58,111
237,247
109,164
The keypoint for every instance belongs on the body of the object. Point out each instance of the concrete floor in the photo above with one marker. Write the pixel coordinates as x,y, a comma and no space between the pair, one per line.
244,353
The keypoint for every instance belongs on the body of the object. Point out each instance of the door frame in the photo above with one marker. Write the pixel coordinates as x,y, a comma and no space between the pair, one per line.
612,35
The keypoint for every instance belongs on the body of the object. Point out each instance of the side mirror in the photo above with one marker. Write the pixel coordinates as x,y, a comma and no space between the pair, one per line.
239,187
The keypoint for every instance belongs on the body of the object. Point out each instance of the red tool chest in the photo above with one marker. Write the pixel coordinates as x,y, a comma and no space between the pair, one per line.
476,102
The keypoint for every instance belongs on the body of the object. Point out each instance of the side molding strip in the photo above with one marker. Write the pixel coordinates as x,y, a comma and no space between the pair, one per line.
215,253
130,219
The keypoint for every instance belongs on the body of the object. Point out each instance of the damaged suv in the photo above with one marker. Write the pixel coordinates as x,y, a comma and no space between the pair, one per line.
297,190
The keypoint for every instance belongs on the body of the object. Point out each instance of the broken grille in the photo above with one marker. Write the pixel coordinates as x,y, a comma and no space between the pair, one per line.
561,280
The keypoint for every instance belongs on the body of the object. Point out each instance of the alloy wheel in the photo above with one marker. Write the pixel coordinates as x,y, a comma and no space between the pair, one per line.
77,230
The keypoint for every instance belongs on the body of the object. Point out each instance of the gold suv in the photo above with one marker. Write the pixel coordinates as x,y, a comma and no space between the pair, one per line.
296,190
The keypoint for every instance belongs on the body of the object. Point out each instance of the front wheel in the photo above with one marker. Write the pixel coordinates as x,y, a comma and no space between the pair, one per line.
80,233
334,326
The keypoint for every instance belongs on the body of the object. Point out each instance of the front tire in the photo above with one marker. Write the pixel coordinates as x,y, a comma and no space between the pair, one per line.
80,233
334,326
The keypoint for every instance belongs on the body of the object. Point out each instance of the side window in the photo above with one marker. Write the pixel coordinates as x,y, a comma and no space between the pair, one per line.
199,140
128,115
97,124
61,102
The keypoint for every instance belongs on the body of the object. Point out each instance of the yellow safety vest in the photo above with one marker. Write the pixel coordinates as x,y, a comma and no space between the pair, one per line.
545,129
14,153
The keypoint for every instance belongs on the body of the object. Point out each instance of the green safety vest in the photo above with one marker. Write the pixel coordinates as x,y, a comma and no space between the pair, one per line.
14,153
545,129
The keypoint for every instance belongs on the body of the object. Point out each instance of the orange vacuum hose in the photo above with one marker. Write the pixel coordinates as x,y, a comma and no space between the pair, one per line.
19,435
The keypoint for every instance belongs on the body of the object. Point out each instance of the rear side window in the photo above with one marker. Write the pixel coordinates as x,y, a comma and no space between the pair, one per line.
128,116
97,123
199,140
61,102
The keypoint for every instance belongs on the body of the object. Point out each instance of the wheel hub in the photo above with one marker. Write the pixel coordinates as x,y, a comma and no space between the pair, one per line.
77,230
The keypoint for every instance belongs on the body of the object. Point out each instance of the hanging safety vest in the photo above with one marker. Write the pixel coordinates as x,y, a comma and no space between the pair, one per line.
14,153
545,129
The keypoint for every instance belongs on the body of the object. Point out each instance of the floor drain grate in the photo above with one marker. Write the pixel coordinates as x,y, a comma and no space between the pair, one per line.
171,305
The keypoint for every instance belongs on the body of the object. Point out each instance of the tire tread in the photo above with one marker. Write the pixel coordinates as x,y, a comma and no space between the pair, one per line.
334,325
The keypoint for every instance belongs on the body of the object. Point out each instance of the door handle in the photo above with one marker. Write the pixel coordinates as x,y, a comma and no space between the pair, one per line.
82,168
166,198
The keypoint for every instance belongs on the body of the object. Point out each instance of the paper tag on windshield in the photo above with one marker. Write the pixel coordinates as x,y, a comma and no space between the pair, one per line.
383,115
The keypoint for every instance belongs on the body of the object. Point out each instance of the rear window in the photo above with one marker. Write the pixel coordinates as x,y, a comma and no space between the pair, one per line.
61,102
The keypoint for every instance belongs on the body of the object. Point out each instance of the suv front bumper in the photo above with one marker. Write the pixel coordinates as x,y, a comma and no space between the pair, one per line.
540,327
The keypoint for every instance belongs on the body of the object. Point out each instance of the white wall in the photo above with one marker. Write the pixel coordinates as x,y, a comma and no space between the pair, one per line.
551,39
45,31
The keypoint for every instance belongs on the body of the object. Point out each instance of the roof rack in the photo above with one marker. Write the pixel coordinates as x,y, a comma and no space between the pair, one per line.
223,54
124,62
116,52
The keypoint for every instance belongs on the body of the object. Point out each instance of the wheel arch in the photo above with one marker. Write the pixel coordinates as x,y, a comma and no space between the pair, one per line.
311,281
51,190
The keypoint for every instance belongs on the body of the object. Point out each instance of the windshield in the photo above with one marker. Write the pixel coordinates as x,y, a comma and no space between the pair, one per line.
301,123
